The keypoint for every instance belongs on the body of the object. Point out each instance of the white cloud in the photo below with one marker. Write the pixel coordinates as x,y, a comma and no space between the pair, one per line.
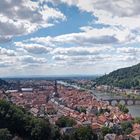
7,52
33,48
4,39
81,51
129,50
115,13
16,60
115,8
30,59
92,49
90,36
80,60
51,13
24,17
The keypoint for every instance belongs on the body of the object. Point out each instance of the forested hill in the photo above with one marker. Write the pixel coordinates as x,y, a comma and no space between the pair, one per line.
124,78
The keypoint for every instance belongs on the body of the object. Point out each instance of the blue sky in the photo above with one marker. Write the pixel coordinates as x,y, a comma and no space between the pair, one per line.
65,37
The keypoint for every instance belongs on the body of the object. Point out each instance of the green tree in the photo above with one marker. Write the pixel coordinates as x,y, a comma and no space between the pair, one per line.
25,125
81,109
123,78
65,122
40,129
137,120
5,134
85,133
126,127
123,108
55,133
105,130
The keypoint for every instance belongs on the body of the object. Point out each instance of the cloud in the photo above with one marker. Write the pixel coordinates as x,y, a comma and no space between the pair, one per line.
51,13
30,59
81,51
114,13
99,46
7,52
80,56
129,50
115,8
89,46
17,58
33,48
96,55
121,17
24,17
80,60
125,8
84,38
4,65
5,39
129,54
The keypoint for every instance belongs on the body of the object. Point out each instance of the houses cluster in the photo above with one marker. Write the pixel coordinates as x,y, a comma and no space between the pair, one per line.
34,99
85,109
77,104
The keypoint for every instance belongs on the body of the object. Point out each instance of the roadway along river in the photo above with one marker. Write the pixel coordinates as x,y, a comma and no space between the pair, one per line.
134,110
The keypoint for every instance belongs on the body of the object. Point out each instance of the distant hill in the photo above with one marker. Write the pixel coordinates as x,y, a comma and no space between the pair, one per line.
124,78
3,83
53,77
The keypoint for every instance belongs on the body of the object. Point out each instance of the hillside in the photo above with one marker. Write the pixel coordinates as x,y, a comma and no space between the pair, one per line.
17,123
124,78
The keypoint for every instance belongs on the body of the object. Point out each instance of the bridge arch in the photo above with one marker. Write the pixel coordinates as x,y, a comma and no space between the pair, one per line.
137,102
123,101
130,102
114,102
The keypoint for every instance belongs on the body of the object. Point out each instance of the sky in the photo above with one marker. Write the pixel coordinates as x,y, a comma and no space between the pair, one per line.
68,37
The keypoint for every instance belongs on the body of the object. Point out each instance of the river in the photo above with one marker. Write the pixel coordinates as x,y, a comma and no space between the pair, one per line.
134,110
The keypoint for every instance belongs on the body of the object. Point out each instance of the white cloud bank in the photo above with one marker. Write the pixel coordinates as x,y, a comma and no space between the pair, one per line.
20,17
92,50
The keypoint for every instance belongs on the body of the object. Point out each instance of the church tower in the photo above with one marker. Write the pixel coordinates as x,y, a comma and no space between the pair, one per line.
55,94
18,86
55,86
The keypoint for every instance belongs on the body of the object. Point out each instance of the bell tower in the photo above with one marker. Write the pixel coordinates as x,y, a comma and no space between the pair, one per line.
56,94
18,86
55,86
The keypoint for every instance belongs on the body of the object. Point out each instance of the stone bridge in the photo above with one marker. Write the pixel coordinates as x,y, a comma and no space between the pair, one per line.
125,101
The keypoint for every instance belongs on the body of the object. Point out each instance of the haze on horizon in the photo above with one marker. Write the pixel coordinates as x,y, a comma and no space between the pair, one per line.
68,37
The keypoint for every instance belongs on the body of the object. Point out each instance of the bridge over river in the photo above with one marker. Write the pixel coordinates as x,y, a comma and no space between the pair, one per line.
123,100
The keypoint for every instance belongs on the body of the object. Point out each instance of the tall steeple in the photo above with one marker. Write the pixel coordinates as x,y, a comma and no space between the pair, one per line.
55,94
18,86
55,86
